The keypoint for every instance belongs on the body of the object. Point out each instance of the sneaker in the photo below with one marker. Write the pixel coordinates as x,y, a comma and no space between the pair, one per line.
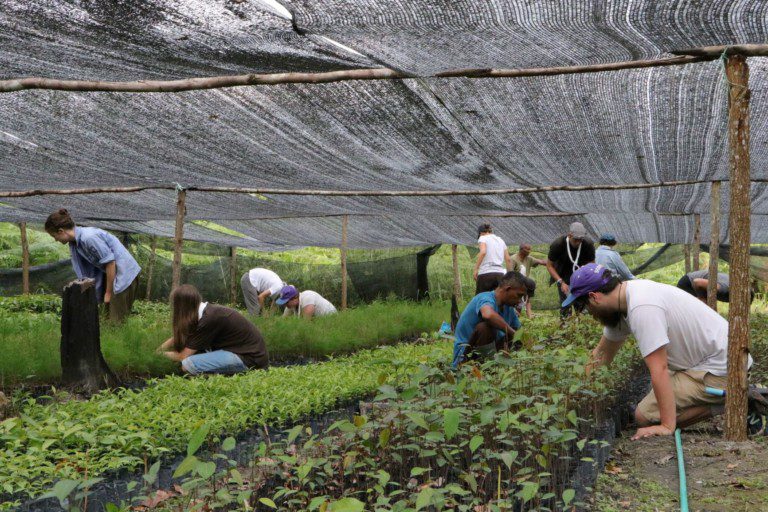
756,424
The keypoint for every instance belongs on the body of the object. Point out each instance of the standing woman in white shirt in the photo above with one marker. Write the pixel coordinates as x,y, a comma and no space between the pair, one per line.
493,260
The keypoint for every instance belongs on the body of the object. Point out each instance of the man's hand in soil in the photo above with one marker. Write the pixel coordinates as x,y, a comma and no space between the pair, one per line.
653,430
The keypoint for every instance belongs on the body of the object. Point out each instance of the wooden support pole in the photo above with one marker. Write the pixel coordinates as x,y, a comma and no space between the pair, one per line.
233,275
686,56
218,82
364,193
151,269
687,257
344,223
737,71
714,245
178,240
696,249
456,275
24,259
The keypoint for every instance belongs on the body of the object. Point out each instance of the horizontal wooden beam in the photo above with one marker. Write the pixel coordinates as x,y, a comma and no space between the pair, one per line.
362,193
681,57
715,52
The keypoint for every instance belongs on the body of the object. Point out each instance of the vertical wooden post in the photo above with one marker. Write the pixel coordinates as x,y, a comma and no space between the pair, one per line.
456,275
151,269
714,245
233,275
696,263
24,259
737,71
344,223
178,240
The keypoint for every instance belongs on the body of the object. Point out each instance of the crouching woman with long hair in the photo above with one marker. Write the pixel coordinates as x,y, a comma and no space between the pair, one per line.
208,338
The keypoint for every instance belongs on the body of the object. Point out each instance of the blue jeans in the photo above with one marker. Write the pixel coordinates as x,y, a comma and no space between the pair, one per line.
218,361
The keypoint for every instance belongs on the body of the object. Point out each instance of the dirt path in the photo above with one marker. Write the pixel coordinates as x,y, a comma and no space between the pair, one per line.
722,476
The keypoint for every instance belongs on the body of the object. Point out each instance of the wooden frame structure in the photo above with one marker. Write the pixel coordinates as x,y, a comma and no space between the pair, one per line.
737,72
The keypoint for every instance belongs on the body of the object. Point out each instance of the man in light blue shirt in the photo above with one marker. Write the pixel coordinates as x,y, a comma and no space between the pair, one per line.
490,318
610,259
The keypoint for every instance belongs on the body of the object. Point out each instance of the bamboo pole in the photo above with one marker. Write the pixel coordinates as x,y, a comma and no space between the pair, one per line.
178,240
364,193
682,57
233,275
714,245
456,275
687,257
151,269
344,225
696,242
24,259
737,72
219,82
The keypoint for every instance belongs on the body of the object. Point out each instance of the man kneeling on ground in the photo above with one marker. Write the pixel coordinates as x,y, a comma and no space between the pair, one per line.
684,344
489,321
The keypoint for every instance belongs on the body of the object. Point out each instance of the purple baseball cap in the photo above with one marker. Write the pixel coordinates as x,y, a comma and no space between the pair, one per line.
589,278
287,292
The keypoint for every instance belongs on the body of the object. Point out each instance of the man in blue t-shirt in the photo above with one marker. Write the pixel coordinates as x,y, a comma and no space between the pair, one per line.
490,317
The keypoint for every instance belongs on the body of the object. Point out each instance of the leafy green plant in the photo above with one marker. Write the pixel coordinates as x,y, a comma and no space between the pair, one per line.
31,304
118,430
498,436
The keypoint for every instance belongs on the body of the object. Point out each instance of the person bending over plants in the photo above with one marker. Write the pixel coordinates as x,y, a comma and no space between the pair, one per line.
307,304
100,256
684,344
489,321
208,338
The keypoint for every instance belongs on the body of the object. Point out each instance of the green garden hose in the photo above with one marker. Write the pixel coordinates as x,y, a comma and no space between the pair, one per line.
681,472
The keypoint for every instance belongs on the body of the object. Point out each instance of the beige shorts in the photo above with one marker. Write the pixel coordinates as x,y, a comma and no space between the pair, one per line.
688,386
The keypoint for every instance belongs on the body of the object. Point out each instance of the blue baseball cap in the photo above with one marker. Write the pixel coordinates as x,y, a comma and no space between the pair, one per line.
608,237
287,292
589,278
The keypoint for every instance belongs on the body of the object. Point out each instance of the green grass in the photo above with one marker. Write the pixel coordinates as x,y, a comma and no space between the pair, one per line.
31,341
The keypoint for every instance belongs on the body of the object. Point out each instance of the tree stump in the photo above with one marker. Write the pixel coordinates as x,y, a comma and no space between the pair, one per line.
82,364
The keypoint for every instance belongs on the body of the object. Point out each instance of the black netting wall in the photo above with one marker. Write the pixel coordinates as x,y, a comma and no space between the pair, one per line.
368,279
49,278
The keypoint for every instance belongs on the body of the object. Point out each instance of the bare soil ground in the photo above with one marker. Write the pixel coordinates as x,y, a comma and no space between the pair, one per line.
722,476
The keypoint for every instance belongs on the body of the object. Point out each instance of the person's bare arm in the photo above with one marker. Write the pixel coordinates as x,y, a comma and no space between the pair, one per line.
166,345
308,311
537,261
665,396
179,356
495,319
553,272
111,270
604,353
480,257
528,309
262,298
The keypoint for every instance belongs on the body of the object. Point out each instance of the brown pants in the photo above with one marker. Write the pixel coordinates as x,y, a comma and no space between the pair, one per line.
487,282
120,305
689,387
